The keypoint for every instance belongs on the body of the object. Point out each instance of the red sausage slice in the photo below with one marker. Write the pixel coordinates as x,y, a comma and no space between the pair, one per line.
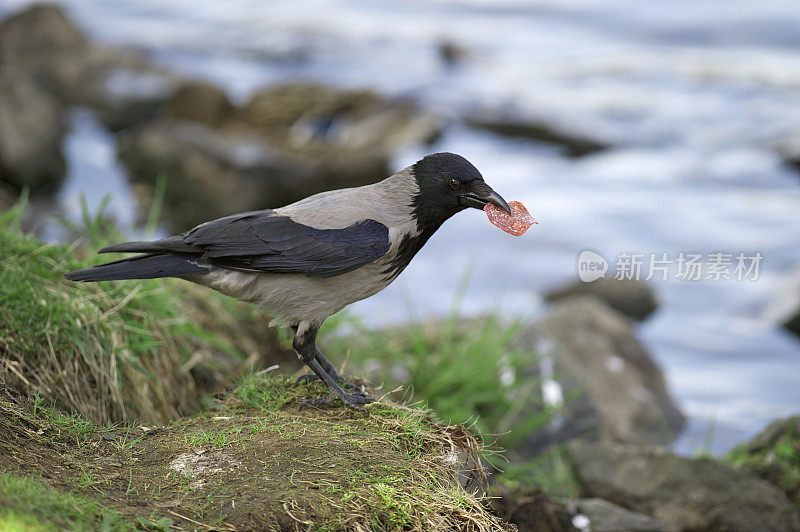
516,223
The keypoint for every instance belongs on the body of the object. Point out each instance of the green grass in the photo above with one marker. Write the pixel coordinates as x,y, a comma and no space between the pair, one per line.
467,372
777,460
27,505
110,351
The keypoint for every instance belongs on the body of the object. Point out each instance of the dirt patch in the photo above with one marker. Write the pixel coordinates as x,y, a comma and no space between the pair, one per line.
258,462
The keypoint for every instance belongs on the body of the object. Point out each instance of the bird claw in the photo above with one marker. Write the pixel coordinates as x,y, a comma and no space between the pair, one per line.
351,400
308,378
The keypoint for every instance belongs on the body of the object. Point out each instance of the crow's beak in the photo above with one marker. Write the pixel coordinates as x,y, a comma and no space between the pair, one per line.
483,194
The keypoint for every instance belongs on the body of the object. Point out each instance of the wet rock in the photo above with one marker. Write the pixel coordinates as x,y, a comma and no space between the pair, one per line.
288,142
44,44
31,131
573,144
681,493
774,455
792,323
531,509
122,87
39,35
207,174
201,102
602,516
451,53
603,379
633,298
124,91
340,128
789,150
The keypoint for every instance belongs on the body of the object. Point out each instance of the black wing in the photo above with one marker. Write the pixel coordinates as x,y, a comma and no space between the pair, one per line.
262,241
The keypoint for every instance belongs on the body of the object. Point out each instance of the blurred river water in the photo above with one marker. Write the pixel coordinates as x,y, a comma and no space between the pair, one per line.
691,96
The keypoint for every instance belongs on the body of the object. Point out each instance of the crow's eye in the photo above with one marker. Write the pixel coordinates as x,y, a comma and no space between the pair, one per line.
455,184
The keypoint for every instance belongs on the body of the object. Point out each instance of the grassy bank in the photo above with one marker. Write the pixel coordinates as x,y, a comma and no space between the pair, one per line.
147,349
256,461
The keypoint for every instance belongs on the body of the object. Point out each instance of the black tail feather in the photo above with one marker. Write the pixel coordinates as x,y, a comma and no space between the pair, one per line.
150,266
169,245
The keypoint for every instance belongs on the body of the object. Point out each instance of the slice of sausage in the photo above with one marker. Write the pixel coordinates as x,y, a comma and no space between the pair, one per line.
516,223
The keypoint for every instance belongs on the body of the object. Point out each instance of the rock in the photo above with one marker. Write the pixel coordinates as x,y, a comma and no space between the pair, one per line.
31,132
774,455
124,91
792,323
603,516
37,34
44,44
789,150
201,102
681,493
337,126
121,87
288,142
531,509
611,388
207,175
451,53
573,145
633,298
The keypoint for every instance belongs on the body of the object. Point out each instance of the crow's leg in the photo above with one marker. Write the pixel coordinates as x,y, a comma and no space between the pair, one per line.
304,344
330,370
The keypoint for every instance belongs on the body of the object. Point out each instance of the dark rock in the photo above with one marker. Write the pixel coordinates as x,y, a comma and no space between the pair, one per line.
207,175
603,516
792,323
44,44
37,34
31,131
789,150
531,509
633,298
774,455
573,145
451,53
121,87
288,142
612,388
681,493
201,102
337,126
124,91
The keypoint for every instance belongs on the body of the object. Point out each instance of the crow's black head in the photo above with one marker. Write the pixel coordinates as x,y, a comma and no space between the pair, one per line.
448,183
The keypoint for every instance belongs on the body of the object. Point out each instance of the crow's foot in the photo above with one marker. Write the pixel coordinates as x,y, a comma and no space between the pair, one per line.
308,378
354,401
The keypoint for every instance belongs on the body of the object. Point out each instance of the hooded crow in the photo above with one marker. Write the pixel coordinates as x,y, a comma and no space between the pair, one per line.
305,261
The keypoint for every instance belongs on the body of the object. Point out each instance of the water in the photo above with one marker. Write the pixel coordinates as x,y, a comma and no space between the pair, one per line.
692,95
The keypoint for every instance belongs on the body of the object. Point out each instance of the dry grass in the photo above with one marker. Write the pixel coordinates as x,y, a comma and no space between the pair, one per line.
110,351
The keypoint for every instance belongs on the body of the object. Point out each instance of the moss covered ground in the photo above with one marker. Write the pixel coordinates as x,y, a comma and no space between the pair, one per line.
255,461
